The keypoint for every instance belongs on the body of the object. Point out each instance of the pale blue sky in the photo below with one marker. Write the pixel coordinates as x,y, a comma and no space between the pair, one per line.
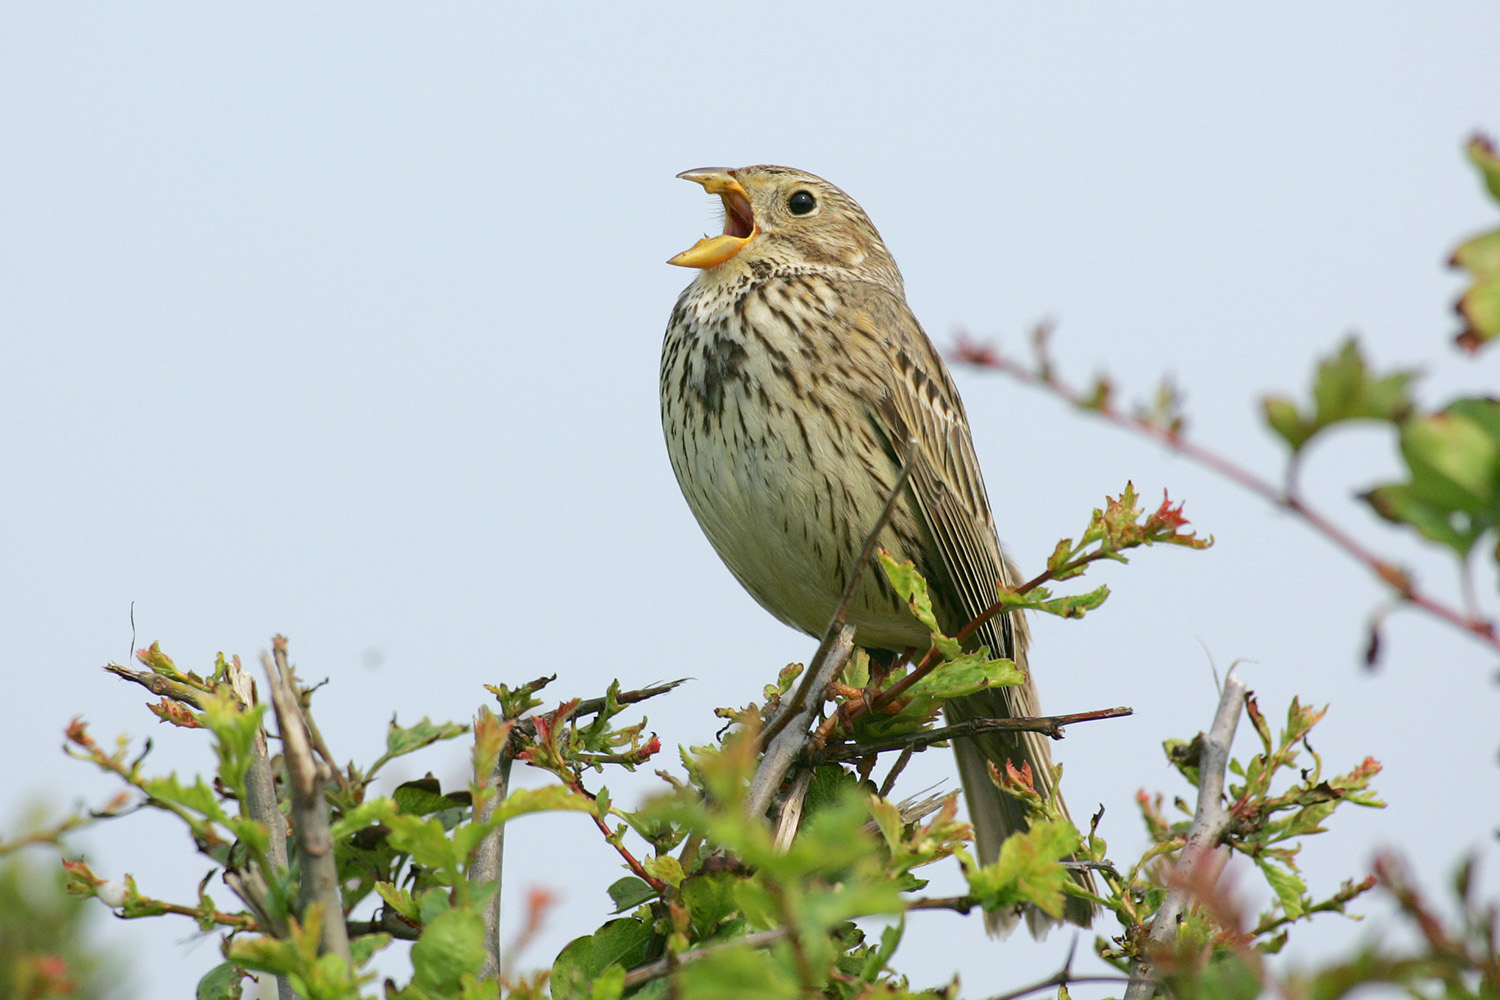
344,322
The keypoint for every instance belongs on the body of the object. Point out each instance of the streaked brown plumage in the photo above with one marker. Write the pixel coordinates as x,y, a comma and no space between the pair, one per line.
793,375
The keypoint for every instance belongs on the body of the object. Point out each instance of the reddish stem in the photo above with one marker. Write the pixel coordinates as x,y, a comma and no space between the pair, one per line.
985,356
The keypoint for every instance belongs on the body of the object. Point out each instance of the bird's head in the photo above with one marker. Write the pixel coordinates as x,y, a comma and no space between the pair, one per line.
790,220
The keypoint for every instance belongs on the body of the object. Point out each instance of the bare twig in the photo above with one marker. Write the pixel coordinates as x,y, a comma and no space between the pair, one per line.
158,684
1061,979
306,780
1203,856
791,810
1287,497
385,921
592,706
1048,725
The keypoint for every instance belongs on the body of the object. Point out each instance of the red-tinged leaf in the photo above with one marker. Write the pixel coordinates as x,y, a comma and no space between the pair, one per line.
158,661
1484,156
1480,303
1252,709
78,732
175,713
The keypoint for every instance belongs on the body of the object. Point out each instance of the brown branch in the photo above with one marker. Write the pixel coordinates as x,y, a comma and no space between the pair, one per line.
386,921
1048,725
1287,498
592,706
157,684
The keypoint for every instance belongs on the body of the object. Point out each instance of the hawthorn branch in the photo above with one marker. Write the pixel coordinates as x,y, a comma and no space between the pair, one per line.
1286,497
593,706
786,745
307,779
1203,855
1048,725
260,802
158,684
489,856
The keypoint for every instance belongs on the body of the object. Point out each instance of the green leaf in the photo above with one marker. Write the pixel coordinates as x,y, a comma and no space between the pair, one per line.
610,985
620,942
548,797
710,900
910,585
421,797
1070,605
427,842
830,785
630,892
1343,389
224,981
1480,303
1289,888
1453,457
1029,869
666,868
736,973
1482,152
887,820
452,944
966,674
400,741
399,900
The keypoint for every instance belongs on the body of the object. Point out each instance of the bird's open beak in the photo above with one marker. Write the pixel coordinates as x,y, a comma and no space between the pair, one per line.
739,220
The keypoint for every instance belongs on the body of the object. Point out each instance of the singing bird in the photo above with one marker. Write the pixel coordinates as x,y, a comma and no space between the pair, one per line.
795,386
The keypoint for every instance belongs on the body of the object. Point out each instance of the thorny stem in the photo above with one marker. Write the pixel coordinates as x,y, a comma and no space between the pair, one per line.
1203,856
1047,725
575,785
1287,496
307,781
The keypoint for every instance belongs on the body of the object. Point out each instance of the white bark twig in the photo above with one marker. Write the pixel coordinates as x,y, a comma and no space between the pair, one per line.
260,798
794,732
1203,856
487,866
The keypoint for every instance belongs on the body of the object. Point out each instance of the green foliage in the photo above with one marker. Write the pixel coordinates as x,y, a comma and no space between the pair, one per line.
46,946
717,902
1452,495
1343,389
1479,305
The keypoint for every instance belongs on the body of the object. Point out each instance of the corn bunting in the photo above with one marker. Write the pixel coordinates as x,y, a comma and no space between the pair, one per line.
793,376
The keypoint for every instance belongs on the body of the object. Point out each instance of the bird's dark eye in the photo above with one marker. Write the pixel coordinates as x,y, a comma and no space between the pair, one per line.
801,202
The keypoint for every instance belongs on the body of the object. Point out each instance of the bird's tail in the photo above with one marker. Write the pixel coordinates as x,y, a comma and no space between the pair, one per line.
995,814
